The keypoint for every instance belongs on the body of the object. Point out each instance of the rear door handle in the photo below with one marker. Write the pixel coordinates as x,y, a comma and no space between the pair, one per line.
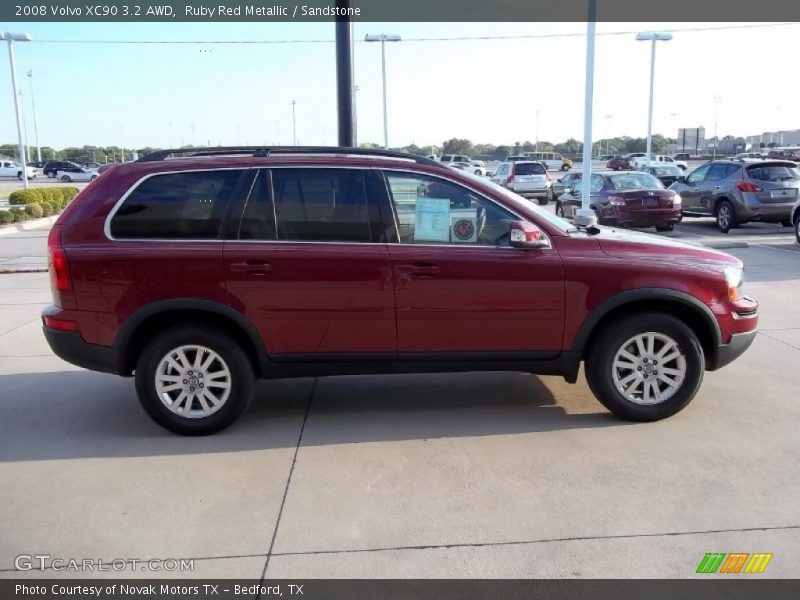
254,266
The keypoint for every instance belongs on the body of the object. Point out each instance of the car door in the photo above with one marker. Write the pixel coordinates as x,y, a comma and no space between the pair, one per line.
692,191
309,267
460,289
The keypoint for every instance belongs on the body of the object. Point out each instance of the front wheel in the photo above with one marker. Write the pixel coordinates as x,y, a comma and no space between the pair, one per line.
66,179
665,227
19,176
51,175
797,228
645,367
786,223
194,380
559,210
565,167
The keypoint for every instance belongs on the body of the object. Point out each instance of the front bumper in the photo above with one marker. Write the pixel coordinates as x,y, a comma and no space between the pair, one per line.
727,353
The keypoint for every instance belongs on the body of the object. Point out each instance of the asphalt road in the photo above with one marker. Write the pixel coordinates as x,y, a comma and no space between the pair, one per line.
477,475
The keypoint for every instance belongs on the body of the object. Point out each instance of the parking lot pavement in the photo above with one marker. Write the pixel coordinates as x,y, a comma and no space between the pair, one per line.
474,475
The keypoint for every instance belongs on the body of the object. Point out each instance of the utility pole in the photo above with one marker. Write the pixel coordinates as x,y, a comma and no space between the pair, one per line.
344,74
717,100
294,124
11,38
24,129
35,126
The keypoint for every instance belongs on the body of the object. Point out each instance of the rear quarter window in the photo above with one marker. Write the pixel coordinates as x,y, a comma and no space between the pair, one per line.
187,205
775,173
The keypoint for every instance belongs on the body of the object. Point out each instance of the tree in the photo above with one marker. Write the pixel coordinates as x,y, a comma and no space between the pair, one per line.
457,146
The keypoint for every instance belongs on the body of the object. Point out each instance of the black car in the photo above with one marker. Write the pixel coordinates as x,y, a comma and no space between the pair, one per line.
666,174
53,166
562,184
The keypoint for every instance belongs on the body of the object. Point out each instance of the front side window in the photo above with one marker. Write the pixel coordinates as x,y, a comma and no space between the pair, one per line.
435,211
186,205
698,174
324,205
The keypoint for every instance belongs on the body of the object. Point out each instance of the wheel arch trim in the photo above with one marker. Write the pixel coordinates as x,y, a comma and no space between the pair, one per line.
129,328
594,319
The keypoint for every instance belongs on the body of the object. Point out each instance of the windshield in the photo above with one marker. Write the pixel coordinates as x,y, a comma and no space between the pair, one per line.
635,181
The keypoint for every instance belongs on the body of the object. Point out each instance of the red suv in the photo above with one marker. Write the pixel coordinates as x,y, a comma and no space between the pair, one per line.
199,274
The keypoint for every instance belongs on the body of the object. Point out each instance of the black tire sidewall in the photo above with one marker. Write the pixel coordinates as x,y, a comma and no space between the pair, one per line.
732,218
601,356
242,380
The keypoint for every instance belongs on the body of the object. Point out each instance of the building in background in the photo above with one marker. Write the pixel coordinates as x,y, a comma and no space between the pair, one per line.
691,140
774,139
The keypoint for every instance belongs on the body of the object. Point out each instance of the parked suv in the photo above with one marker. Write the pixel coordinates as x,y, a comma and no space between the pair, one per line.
51,169
200,273
528,178
735,192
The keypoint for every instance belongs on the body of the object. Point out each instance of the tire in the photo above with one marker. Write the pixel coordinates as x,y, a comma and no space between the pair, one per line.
797,228
229,355
51,175
667,227
686,369
19,175
477,172
726,216
559,210
93,178
546,200
786,223
565,167
66,178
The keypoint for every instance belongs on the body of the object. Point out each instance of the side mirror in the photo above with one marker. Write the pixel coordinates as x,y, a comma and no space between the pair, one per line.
525,235
682,179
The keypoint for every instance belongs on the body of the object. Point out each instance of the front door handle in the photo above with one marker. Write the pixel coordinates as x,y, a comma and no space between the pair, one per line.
254,266
420,270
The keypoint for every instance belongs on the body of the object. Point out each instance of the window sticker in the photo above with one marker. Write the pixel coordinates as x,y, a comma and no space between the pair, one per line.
464,230
432,220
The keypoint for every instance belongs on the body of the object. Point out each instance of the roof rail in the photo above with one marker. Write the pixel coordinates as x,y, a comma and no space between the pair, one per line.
262,151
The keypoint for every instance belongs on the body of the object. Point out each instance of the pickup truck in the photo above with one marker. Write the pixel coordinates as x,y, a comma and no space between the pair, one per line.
639,162
10,168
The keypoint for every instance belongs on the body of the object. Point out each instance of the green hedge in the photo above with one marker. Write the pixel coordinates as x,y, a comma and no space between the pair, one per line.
34,211
48,209
6,216
19,215
25,197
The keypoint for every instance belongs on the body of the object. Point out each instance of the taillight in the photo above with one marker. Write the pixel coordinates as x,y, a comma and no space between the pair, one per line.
60,324
616,200
59,265
746,186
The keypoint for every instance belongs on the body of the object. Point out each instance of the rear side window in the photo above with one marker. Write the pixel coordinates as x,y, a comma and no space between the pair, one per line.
324,205
176,206
773,173
720,171
529,169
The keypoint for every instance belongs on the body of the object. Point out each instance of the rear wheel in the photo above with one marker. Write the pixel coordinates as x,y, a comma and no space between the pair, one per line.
565,167
51,175
645,367
786,223
194,380
66,178
797,228
726,217
546,199
559,210
667,227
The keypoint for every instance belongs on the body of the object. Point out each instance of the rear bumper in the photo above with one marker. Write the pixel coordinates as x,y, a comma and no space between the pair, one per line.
644,218
755,210
727,353
69,346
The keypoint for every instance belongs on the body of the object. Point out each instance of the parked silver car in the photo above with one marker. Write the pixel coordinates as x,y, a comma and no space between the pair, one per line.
735,192
796,219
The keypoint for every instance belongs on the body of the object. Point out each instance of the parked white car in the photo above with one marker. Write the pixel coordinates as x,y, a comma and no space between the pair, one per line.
9,168
475,167
639,162
76,174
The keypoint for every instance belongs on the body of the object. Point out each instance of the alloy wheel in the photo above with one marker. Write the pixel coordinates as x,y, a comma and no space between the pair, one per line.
649,368
193,381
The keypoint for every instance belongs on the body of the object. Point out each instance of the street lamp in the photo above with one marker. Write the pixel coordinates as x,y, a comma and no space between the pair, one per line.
717,100
294,123
652,37
383,38
538,112
11,38
608,133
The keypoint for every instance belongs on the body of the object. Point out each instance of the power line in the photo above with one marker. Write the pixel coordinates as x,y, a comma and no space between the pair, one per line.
423,39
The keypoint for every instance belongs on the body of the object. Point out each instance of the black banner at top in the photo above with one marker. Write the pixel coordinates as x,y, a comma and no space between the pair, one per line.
206,11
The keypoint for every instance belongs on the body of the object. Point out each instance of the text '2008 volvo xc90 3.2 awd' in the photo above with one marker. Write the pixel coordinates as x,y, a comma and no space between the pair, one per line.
200,271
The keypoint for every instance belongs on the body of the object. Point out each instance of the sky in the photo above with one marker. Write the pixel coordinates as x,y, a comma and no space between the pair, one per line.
489,91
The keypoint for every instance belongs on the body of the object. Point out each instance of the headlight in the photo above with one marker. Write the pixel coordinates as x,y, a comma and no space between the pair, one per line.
734,277
677,200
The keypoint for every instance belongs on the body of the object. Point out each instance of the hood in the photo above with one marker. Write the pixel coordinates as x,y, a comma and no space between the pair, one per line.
623,243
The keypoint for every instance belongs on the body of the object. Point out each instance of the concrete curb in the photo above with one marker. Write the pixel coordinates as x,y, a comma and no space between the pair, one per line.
27,225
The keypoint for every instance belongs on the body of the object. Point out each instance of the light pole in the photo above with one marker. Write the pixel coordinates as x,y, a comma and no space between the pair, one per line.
294,124
538,112
652,37
717,100
192,127
35,126
585,216
170,135
608,133
24,127
383,38
11,38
